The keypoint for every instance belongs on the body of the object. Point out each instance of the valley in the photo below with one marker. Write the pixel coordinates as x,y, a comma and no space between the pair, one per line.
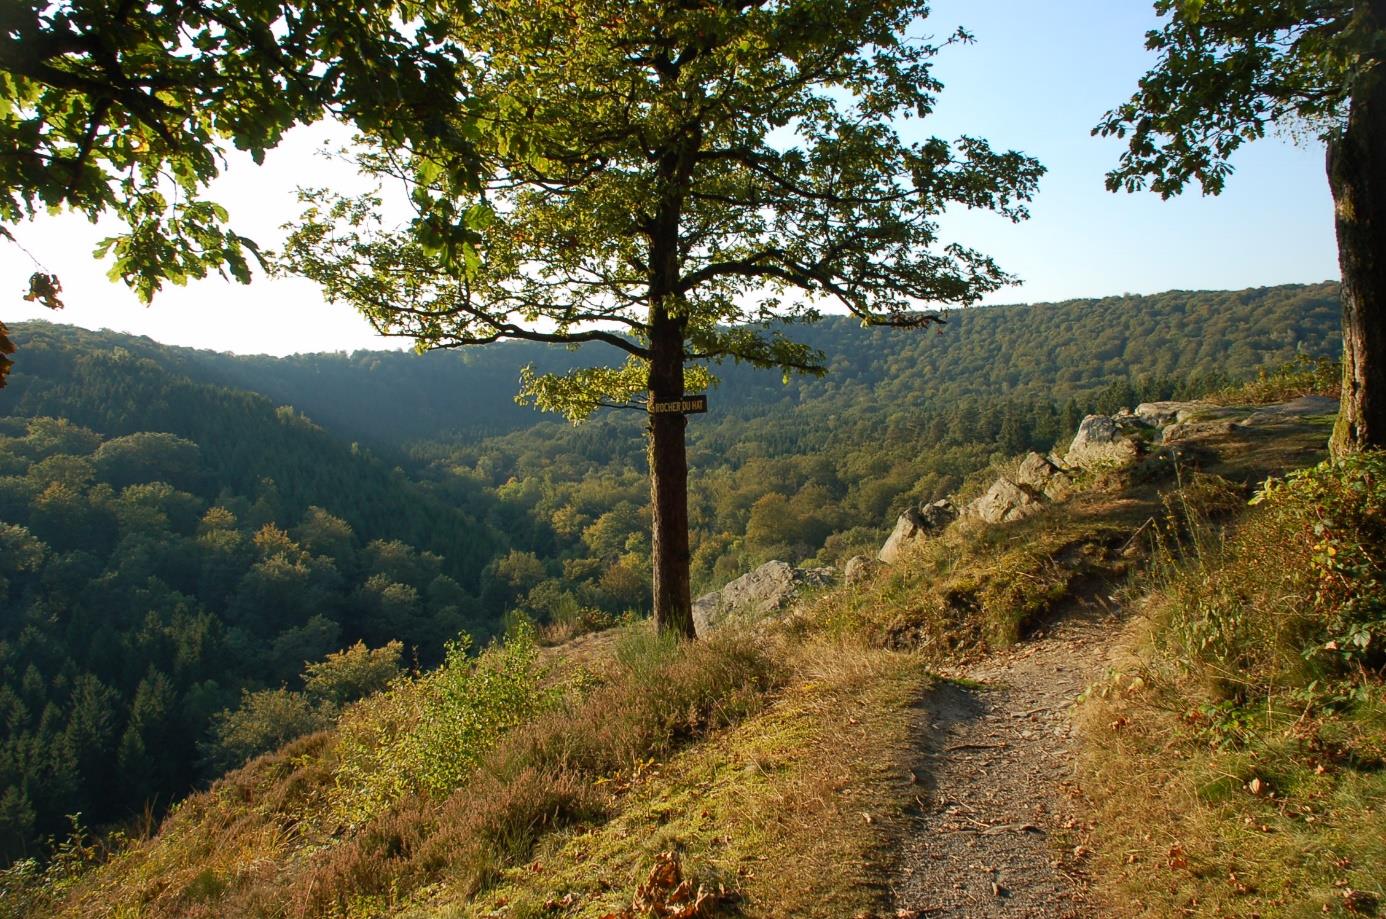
210,543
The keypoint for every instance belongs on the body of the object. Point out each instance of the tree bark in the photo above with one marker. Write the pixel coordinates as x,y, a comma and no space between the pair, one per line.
1357,178
673,605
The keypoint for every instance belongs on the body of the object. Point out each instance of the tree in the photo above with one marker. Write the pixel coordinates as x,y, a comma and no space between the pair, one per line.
682,182
112,107
1230,70
264,721
352,673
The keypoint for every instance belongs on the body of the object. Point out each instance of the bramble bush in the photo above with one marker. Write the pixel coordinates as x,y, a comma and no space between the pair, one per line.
1297,594
1338,512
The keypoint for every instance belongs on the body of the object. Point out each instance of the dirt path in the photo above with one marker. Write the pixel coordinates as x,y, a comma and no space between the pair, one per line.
999,820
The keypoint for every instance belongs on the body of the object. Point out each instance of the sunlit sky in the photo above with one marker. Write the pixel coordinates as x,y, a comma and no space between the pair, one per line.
1037,80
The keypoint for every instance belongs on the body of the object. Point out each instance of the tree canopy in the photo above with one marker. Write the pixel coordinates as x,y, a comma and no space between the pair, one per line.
678,181
128,109
1227,73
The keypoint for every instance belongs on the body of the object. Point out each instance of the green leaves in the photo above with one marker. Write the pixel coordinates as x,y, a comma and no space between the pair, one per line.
428,735
128,109
579,393
1227,71
726,167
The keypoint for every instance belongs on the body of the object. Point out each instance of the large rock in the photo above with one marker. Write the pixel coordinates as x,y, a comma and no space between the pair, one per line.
1102,441
1187,430
1005,502
914,525
858,569
1294,410
937,515
1161,414
769,589
1043,476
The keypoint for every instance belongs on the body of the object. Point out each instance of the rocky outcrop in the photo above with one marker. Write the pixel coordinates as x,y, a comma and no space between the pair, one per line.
859,568
938,514
1044,476
769,589
1160,414
1005,502
1104,440
914,525
1186,430
1294,410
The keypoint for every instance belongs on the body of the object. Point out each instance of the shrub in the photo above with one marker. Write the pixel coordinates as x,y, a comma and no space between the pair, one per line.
427,735
1304,376
265,721
1240,757
1297,593
440,781
353,673
1337,511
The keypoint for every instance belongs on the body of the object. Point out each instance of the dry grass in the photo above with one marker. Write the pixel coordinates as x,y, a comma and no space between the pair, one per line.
792,812
776,765
1204,813
1304,376
1237,761
263,842
975,590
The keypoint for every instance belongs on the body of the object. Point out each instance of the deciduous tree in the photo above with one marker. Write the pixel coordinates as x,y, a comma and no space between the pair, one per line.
127,109
679,181
1229,71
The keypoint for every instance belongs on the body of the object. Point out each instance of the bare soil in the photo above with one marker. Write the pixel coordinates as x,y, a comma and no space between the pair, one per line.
1001,824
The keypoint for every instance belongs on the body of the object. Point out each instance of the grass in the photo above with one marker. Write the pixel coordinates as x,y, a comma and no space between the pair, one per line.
774,766
790,812
271,839
972,590
1238,761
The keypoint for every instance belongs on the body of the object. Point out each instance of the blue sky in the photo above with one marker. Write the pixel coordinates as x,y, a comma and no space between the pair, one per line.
1037,80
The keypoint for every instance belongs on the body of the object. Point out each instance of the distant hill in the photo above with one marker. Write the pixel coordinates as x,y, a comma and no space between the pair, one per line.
119,384
1055,350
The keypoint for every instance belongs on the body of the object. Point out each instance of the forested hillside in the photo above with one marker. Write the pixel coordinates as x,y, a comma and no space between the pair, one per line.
815,468
1052,351
173,533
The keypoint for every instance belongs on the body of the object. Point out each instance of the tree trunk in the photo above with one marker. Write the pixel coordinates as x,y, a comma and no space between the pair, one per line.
673,605
1357,178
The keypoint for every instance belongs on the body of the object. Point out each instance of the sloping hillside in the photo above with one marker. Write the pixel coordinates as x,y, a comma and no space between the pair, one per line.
771,771
172,541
